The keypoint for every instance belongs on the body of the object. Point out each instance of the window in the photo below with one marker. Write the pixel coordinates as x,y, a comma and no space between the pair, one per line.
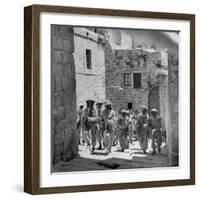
88,59
127,79
130,105
137,80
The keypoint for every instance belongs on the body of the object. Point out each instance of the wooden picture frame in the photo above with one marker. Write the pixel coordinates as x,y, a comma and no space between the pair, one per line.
32,98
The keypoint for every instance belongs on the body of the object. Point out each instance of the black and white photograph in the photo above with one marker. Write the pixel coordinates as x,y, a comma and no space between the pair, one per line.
121,111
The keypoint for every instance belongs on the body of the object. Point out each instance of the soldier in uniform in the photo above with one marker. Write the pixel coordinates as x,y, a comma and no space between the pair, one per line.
89,122
108,116
135,118
129,117
99,125
142,128
155,129
122,124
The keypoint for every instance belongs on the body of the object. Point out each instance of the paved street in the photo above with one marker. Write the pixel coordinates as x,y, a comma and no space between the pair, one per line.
129,159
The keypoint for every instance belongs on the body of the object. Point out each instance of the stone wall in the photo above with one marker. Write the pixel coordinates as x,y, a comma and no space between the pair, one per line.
90,83
63,94
173,111
119,62
118,43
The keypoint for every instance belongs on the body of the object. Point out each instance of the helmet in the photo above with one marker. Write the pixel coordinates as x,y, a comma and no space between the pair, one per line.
107,102
144,108
154,110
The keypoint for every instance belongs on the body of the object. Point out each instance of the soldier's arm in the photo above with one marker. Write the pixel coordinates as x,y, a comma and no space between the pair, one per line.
149,126
113,114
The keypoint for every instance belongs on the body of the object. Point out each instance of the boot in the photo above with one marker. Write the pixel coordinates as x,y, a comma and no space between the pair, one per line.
92,149
159,149
154,152
144,151
100,147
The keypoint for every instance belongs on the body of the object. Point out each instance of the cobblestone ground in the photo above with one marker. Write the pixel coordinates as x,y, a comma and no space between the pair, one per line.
129,159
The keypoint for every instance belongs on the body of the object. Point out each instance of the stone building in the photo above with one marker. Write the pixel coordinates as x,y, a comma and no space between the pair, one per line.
77,74
86,65
173,110
89,56
120,39
134,76
63,94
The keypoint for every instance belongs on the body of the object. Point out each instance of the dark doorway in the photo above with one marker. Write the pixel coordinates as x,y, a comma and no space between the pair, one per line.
154,98
130,105
137,80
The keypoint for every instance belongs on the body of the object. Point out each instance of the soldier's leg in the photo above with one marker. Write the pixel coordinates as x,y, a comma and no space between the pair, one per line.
140,139
81,136
86,135
121,140
159,140
153,145
93,138
145,139
116,137
150,139
78,133
130,134
106,139
99,137
103,138
110,140
127,141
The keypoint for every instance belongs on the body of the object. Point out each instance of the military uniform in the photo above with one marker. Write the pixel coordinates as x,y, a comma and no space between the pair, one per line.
122,124
155,130
108,116
89,122
142,129
99,125
130,127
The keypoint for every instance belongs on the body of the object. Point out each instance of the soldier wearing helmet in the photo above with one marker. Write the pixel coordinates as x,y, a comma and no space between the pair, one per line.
155,130
142,128
122,124
108,116
89,122
99,125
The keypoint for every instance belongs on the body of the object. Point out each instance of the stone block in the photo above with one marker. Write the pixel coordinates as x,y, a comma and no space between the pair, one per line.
59,99
58,56
68,68
60,31
63,57
61,126
59,84
57,43
58,70
65,83
62,90
68,58
68,45
57,114
53,83
66,32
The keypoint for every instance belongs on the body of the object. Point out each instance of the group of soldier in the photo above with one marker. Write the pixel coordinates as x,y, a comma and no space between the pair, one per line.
100,123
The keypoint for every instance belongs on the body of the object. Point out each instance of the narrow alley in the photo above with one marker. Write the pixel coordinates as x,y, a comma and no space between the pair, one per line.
131,158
